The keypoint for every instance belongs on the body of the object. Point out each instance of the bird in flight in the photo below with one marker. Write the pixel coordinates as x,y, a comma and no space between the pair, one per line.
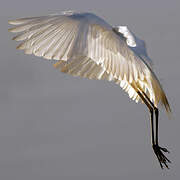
83,44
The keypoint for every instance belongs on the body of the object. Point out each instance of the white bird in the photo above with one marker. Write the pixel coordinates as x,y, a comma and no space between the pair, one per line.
83,44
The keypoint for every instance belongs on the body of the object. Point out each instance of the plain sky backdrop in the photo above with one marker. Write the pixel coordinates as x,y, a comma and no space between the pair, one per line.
57,127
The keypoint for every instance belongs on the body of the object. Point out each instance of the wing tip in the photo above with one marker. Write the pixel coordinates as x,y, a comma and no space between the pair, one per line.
11,22
20,46
15,22
16,38
11,29
21,20
165,103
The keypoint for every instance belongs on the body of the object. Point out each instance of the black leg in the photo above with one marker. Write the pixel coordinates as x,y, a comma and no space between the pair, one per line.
151,115
157,123
157,149
152,126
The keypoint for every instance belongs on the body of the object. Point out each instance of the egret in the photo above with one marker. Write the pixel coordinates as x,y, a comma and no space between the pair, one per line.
83,44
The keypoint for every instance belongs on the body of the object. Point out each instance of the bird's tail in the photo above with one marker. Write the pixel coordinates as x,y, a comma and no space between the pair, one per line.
165,103
160,95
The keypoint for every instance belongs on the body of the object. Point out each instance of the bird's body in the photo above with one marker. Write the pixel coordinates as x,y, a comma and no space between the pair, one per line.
83,44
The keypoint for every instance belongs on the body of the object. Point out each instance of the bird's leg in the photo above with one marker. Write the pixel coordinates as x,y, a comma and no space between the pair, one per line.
157,122
157,149
152,125
151,110
163,160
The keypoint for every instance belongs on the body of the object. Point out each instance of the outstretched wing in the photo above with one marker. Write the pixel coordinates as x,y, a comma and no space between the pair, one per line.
89,47
52,37
64,37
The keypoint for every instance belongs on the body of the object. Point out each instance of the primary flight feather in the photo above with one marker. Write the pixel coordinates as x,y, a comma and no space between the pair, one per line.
83,44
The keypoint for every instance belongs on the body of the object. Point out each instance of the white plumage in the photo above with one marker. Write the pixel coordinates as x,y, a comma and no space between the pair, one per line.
83,44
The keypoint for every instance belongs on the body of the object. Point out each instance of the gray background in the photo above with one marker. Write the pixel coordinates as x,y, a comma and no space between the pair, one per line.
54,126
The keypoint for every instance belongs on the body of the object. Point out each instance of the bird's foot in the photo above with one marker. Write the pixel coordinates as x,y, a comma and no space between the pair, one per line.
163,160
